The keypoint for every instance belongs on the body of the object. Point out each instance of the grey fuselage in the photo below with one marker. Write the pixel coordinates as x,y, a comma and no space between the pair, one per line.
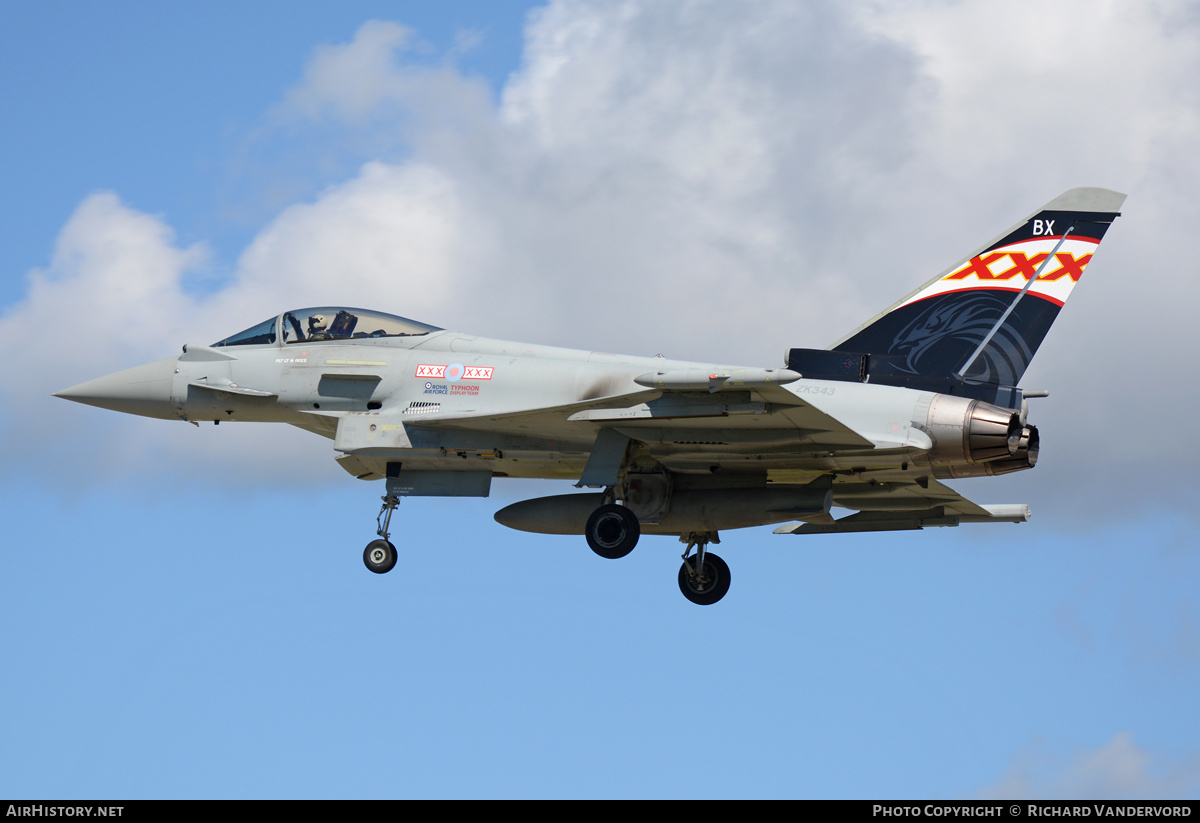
445,402
315,385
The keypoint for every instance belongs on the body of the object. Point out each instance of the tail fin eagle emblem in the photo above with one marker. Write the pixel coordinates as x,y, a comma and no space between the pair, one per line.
974,328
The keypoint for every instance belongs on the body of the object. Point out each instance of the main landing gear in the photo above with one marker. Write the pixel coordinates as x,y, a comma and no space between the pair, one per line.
380,555
703,578
613,530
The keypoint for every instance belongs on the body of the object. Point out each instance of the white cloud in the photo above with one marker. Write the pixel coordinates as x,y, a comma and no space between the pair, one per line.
350,80
108,262
1119,769
720,181
1094,95
392,237
382,102
115,295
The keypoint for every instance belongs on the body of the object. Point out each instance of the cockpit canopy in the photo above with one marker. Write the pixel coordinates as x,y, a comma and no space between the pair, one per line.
327,323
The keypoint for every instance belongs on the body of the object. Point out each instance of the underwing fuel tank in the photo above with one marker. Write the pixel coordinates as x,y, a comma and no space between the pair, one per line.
693,510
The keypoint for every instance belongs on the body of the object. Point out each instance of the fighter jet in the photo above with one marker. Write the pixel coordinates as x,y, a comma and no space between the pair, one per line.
925,391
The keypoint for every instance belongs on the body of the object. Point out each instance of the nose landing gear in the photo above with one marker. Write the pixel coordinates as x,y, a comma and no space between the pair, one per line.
380,555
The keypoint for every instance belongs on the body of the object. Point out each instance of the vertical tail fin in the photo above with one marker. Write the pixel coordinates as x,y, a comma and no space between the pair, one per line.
975,327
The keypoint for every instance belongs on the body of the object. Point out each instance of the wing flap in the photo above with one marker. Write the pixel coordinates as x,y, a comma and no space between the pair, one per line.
919,494
919,504
903,521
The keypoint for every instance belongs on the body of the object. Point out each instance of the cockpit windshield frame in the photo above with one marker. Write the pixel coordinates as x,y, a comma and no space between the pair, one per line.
327,323
260,334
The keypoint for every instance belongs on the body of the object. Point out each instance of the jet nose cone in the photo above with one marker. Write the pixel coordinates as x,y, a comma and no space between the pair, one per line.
144,390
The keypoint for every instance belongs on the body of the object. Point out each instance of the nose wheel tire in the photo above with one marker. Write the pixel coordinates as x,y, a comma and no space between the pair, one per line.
705,583
379,556
613,531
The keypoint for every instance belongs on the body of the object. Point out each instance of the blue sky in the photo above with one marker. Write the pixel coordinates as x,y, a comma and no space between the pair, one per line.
184,612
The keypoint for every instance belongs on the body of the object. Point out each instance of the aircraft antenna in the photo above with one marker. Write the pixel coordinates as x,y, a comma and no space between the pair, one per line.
988,337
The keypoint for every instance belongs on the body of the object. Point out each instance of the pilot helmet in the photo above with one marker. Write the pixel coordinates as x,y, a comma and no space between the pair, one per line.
316,324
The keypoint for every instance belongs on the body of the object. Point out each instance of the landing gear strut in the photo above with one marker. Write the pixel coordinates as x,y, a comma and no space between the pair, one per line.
704,577
613,531
380,555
